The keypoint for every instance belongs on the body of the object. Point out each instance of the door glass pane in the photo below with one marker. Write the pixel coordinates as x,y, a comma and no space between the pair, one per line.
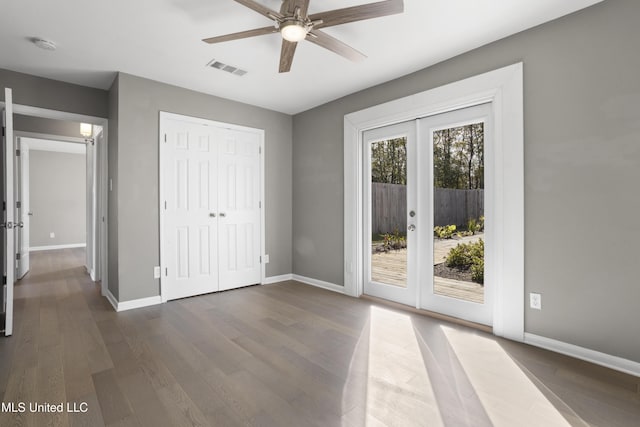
458,209
389,211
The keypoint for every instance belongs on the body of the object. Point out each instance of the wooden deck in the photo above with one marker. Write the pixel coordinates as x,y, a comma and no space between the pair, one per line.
391,268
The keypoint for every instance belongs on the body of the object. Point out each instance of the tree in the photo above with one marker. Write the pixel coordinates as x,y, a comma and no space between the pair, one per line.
458,157
389,161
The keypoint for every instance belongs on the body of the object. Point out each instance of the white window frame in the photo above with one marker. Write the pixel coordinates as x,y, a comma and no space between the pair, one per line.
503,88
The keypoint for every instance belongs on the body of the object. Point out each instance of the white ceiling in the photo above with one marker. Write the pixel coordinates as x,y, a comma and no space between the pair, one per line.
161,40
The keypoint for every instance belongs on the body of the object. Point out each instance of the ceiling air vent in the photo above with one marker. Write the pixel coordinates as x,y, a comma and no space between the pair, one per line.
227,68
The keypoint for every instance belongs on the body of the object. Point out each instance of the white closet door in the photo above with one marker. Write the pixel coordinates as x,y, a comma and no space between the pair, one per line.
239,198
190,186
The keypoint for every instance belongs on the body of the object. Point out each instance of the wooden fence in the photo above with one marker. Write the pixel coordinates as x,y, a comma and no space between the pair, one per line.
389,207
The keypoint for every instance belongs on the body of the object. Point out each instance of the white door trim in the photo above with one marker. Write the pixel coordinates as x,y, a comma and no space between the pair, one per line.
102,175
164,116
10,220
504,89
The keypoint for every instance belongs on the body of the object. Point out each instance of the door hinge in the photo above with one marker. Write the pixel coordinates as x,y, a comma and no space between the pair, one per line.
4,206
165,137
2,130
4,280
165,205
18,204
18,256
260,257
18,153
166,271
259,150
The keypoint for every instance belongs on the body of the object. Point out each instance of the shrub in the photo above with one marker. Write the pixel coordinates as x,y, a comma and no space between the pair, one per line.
468,256
475,226
444,232
394,240
458,256
477,270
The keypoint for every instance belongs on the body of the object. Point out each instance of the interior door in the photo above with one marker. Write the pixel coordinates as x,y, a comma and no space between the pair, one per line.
239,216
24,212
455,184
190,188
390,213
9,256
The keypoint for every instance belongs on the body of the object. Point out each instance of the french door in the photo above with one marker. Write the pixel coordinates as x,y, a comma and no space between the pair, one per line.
427,213
390,213
210,208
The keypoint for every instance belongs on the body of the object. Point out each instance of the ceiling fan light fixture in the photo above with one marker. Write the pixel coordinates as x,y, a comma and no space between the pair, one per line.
293,31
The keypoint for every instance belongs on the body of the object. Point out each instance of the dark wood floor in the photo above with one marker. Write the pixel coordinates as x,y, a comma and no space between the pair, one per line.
280,355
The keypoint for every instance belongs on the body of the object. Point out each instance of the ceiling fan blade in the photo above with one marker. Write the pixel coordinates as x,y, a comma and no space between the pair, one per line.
289,7
334,45
286,55
262,10
241,35
303,5
357,13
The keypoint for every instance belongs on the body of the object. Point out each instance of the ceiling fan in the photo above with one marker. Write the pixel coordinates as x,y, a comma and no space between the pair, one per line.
295,24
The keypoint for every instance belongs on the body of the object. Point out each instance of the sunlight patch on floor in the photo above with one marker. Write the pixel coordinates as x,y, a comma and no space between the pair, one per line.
506,393
399,391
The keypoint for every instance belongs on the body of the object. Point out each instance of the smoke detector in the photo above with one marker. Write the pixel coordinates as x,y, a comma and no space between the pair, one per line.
44,44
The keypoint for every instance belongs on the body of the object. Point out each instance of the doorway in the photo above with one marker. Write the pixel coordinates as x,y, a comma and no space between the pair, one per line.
55,198
424,213
96,230
503,90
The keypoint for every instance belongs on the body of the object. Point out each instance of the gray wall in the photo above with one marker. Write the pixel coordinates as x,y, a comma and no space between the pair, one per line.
57,198
582,151
139,103
55,95
112,194
46,126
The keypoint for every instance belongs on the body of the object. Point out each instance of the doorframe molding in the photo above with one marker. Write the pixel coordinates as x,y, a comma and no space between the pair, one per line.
101,243
164,116
503,88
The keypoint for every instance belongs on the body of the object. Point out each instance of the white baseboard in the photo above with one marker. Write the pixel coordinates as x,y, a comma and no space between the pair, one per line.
54,247
130,305
319,283
277,279
602,359
112,300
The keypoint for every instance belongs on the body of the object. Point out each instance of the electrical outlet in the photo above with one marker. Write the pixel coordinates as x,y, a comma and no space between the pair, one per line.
52,235
156,272
266,259
535,301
